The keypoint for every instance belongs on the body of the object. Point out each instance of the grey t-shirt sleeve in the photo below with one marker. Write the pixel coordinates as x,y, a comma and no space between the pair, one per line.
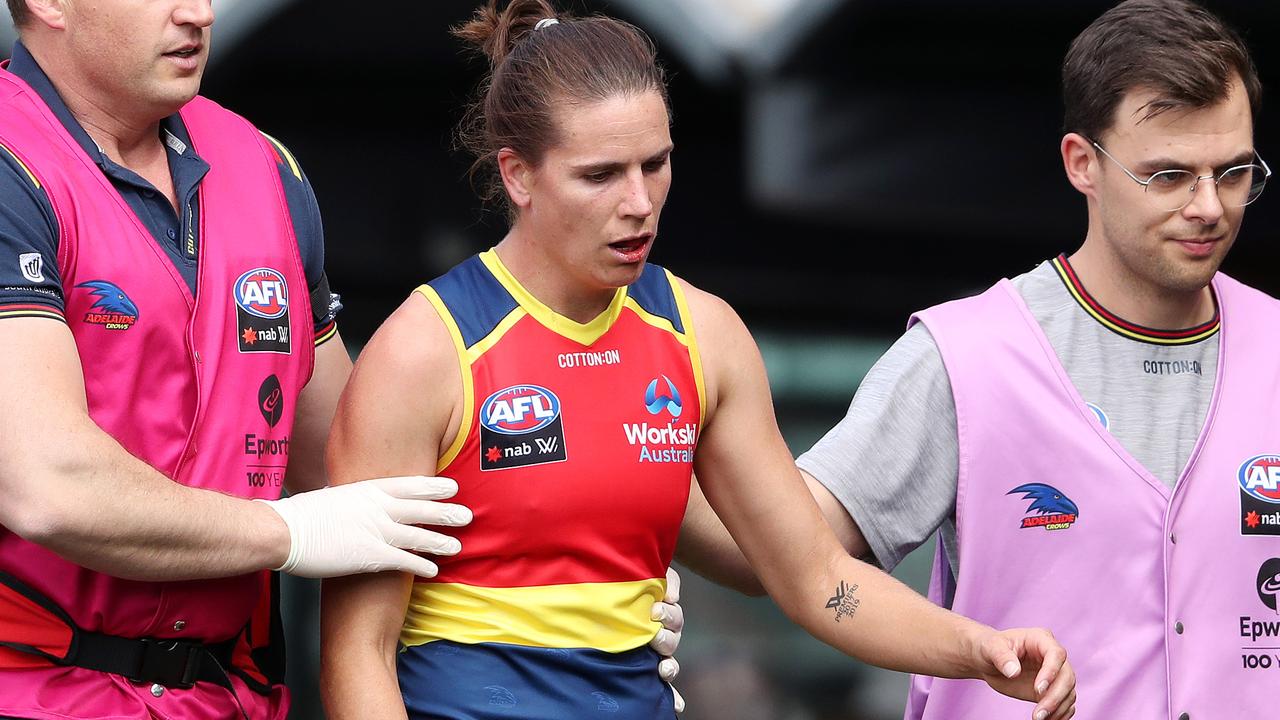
893,460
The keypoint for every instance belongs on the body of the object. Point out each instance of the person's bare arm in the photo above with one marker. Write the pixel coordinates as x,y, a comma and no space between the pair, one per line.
403,400
751,481
707,548
69,486
316,405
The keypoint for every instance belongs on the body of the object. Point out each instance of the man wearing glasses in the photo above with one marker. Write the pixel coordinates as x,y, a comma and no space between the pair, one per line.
1094,441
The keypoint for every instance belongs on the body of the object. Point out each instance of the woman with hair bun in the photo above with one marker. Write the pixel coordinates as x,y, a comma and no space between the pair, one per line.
571,389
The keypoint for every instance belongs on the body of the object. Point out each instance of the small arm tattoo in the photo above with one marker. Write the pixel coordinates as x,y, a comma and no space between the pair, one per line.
845,601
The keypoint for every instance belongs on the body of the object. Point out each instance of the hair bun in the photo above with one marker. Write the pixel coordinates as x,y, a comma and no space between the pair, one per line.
495,32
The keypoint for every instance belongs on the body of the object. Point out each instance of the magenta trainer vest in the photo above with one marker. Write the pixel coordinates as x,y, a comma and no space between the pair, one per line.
1166,602
203,389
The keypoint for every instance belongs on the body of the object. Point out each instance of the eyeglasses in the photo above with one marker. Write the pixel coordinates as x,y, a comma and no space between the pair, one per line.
1172,190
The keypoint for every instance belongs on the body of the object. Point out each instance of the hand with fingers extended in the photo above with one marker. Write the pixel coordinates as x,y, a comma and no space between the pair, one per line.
1028,664
369,526
668,612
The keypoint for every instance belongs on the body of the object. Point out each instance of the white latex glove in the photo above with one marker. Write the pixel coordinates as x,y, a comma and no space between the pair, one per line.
671,615
367,526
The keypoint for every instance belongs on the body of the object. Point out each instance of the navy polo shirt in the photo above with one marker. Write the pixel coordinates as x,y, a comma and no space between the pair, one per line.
28,226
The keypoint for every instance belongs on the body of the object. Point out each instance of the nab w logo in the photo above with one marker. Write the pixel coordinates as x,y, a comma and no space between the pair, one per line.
262,292
519,409
1260,477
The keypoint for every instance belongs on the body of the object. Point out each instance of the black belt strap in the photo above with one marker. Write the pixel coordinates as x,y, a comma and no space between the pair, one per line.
171,663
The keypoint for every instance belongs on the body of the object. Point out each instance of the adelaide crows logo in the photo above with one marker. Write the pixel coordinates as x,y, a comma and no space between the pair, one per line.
1053,510
113,308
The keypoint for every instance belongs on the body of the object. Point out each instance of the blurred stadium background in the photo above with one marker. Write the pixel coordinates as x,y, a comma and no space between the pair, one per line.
839,164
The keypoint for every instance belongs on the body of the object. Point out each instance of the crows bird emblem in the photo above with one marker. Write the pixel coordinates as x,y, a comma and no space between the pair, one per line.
111,299
1046,499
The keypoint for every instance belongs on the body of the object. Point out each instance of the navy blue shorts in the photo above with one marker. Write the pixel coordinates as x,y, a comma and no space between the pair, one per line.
450,681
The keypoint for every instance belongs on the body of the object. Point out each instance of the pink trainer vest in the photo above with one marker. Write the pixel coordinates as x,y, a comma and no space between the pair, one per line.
203,389
1163,600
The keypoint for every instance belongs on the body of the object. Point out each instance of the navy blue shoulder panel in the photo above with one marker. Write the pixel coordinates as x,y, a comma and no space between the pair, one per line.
653,293
475,298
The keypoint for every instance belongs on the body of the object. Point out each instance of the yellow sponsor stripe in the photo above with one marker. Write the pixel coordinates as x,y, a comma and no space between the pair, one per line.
611,617
468,391
22,165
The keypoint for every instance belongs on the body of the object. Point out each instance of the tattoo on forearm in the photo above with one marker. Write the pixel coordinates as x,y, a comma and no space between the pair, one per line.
845,601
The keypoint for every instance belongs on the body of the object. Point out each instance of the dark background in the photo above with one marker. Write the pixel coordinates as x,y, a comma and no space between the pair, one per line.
905,152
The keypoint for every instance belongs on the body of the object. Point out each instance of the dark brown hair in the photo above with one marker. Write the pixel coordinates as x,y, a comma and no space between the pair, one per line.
533,70
19,12
1174,48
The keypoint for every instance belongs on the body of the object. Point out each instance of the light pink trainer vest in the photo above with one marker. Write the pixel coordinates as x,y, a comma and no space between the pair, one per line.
1148,590
175,380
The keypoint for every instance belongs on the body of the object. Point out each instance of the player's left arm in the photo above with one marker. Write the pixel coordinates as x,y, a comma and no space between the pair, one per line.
316,407
750,479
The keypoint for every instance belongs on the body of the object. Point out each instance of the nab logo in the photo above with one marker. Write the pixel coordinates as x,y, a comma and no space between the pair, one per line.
520,409
263,293
1053,509
669,398
1260,477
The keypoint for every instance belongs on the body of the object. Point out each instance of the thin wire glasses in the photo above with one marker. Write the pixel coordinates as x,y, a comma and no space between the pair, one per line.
1172,190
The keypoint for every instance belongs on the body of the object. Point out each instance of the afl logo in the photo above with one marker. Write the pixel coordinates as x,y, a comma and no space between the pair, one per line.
262,292
520,409
1260,477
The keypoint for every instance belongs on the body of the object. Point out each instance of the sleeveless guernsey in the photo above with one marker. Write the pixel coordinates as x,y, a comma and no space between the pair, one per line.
575,455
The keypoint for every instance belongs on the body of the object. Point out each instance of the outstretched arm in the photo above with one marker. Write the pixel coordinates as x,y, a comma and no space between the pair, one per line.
748,476
708,549
69,486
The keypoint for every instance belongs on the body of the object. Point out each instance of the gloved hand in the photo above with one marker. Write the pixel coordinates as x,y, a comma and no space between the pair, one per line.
367,526
669,613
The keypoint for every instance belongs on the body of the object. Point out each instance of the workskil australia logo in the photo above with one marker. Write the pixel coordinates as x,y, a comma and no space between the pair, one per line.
113,309
1259,479
658,443
521,426
262,311
1050,508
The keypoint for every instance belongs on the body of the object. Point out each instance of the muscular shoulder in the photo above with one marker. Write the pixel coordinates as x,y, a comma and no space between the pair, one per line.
729,353
403,403
412,345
